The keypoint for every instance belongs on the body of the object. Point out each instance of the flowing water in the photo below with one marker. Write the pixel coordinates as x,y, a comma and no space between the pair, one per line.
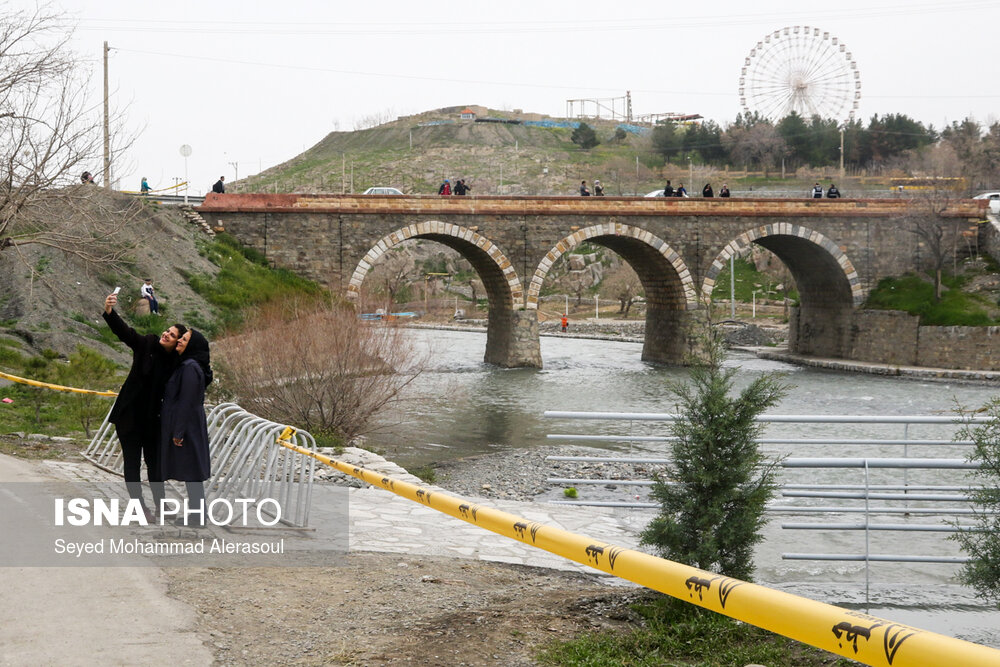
462,407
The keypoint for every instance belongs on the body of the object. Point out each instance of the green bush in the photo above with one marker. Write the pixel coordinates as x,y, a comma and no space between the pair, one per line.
714,491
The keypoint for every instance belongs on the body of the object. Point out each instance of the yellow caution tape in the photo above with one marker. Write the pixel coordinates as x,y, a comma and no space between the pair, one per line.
852,634
55,387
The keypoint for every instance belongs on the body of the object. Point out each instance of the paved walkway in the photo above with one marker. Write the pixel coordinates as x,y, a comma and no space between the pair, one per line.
123,616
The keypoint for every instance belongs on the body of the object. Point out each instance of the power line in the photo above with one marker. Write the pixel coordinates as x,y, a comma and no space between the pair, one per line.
390,29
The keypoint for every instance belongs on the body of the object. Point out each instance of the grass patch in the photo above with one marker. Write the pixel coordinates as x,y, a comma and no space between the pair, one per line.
244,280
674,632
748,281
425,473
914,295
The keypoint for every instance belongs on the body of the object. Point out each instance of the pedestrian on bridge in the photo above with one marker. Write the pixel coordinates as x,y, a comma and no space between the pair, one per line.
832,192
707,191
445,188
565,322
144,186
598,189
584,190
220,185
461,188
724,192
817,191
668,190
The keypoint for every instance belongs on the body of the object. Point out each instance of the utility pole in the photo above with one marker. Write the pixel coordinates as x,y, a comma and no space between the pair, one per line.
842,154
107,125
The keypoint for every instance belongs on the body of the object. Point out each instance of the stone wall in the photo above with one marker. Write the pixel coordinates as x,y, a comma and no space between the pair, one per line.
886,336
895,338
967,348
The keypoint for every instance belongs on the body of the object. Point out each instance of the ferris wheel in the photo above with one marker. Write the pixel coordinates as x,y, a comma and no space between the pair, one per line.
800,69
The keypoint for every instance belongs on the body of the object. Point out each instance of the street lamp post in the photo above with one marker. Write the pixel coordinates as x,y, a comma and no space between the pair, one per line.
185,152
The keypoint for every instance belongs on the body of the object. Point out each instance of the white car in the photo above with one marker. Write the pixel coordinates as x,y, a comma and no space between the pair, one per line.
994,198
382,191
654,193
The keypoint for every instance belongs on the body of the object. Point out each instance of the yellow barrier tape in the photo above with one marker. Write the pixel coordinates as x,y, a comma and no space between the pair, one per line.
55,387
867,639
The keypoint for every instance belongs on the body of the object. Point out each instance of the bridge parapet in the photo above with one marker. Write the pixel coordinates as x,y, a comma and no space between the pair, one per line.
587,206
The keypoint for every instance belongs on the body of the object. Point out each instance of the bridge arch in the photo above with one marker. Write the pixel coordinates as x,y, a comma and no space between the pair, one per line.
670,290
503,287
828,283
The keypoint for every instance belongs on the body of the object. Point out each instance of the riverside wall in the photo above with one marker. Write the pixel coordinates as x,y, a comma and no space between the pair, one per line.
897,339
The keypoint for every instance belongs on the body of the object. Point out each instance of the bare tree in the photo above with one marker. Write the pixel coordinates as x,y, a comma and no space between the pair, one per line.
390,275
759,144
624,286
49,135
321,369
925,219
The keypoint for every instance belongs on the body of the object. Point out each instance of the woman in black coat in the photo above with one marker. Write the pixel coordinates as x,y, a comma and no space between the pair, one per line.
136,412
184,454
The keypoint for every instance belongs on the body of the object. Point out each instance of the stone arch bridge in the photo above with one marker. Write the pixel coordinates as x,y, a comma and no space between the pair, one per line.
836,250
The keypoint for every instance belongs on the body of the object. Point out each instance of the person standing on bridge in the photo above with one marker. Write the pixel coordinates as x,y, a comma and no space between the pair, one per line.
445,188
832,192
220,186
144,186
707,191
598,189
584,190
817,191
668,190
461,188
565,322
724,192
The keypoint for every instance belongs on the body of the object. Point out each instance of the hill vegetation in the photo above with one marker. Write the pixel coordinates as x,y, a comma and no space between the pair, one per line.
528,154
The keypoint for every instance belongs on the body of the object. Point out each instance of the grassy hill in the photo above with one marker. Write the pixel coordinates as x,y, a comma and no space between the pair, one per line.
495,158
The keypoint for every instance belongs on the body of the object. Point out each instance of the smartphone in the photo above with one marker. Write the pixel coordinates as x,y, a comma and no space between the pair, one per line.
117,289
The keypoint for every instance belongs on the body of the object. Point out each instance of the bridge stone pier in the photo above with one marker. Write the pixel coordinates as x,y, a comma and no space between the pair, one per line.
836,250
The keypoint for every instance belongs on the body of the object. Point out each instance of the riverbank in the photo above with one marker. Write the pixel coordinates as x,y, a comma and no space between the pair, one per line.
765,341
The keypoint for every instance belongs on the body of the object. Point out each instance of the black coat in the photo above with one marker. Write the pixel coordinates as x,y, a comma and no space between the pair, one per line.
138,404
184,417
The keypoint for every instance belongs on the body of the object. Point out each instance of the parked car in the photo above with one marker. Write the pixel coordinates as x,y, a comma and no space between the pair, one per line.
994,198
654,193
382,191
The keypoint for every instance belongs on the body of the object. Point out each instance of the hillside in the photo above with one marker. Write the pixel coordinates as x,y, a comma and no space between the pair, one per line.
494,158
50,300
415,153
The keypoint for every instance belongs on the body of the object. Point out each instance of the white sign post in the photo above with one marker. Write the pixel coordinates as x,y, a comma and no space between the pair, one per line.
185,152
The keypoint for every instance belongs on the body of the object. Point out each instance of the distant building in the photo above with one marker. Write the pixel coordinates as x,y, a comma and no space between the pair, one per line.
467,114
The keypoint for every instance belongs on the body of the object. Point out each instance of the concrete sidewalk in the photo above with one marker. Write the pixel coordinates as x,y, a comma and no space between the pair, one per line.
123,616
90,615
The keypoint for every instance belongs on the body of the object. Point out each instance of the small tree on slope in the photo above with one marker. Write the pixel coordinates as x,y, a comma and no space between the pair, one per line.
982,572
713,495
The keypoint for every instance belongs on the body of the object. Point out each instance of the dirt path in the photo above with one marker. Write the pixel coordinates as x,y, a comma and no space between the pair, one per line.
380,609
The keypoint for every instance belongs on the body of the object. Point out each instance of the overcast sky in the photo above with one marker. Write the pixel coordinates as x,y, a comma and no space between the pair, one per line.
250,84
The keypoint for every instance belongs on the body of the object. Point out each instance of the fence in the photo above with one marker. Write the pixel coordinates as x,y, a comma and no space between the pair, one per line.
904,485
247,460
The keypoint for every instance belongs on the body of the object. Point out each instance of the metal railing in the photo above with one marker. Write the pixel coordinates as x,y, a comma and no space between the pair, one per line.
904,496
247,461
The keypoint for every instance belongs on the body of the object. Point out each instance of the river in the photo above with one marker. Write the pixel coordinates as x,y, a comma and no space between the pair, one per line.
461,407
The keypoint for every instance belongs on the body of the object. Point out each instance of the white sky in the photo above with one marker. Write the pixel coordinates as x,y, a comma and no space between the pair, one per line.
256,83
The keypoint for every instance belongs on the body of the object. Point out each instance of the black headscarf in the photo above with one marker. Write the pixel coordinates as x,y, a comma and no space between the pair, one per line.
197,349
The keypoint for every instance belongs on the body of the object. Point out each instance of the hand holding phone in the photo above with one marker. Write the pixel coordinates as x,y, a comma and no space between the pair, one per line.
117,289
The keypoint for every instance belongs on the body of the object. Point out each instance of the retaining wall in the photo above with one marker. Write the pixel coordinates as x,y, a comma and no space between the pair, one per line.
896,338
